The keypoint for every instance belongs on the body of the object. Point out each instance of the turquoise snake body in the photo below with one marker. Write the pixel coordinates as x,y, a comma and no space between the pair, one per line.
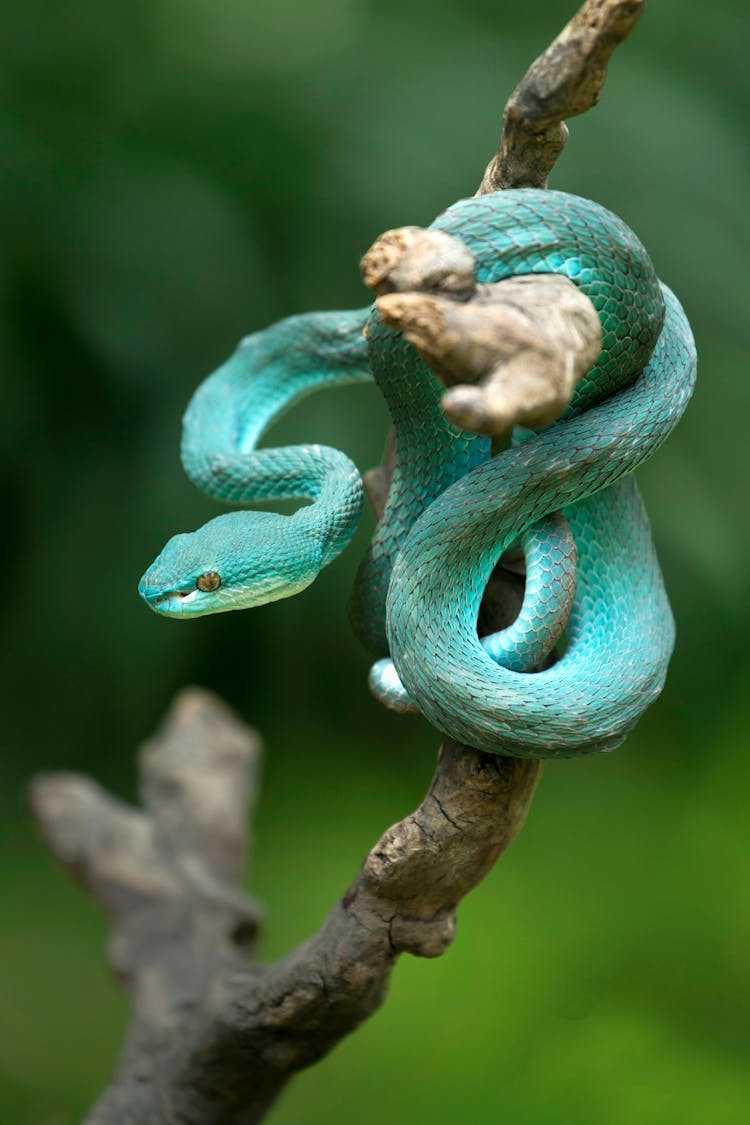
454,508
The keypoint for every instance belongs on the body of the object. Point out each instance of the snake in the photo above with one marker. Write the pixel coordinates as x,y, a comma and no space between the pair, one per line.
565,493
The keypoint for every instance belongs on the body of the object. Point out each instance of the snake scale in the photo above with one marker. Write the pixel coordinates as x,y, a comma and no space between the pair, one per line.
453,507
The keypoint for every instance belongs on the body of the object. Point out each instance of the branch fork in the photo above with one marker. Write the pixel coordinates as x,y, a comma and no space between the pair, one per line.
215,1036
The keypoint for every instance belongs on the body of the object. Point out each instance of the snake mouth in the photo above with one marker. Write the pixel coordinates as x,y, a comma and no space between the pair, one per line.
175,599
180,596
171,603
191,602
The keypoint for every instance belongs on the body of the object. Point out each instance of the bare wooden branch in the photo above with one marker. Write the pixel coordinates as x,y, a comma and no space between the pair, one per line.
508,360
189,843
214,1037
563,82
510,353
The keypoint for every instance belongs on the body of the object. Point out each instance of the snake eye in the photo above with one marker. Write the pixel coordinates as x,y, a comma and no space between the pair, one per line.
209,581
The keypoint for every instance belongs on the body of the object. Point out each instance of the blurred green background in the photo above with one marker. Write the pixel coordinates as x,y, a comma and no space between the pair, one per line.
176,174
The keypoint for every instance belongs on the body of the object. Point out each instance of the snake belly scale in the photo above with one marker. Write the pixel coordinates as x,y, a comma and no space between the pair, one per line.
453,508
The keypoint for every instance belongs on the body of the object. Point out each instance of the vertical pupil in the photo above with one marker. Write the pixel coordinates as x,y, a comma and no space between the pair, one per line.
209,581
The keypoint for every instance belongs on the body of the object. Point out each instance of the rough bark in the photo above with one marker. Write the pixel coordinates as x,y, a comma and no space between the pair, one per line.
510,353
214,1036
563,82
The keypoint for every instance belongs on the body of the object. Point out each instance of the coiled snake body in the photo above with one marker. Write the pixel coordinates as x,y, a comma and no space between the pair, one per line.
453,508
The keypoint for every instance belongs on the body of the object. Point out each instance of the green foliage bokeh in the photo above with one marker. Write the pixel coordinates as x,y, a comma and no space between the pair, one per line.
176,175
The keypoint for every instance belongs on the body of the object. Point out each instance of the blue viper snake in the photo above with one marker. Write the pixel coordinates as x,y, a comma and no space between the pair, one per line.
453,507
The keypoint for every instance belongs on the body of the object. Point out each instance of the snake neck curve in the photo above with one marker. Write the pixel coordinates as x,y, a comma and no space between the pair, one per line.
262,556
231,411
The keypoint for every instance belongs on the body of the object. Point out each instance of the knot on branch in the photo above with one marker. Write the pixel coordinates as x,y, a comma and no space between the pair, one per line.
411,258
510,353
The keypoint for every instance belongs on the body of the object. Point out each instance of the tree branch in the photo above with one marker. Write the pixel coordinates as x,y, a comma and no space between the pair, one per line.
214,1036
507,357
563,82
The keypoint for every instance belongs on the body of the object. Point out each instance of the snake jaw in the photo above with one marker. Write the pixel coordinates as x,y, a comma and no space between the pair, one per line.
192,602
168,603
196,604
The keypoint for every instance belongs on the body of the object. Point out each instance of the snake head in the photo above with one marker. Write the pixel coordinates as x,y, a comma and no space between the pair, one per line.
236,561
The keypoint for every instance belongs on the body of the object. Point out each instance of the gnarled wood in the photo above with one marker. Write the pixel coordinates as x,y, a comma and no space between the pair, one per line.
214,1037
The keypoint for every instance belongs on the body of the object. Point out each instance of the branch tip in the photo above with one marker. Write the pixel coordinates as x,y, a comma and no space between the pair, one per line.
565,81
